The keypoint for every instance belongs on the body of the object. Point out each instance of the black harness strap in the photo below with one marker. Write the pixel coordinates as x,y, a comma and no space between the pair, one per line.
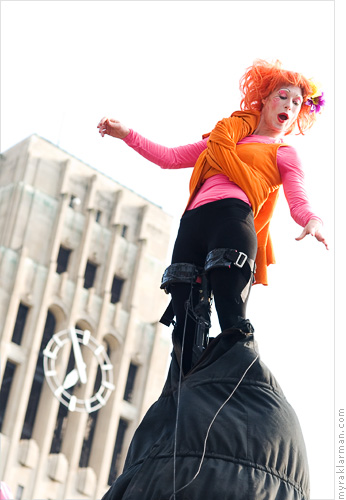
168,315
226,257
181,272
189,273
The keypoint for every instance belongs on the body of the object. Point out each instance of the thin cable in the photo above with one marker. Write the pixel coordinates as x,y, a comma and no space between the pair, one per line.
210,426
178,398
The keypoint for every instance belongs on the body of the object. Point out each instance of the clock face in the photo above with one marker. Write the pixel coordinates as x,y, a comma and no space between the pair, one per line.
79,374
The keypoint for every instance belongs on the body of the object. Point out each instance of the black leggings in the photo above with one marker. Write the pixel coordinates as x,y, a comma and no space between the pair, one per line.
226,223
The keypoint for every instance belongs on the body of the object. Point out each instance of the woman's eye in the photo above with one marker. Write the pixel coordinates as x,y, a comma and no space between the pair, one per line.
282,96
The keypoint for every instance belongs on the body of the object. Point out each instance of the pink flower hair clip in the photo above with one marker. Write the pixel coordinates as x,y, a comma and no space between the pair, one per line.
315,101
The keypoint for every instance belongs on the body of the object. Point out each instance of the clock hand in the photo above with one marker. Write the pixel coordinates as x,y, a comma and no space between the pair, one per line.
70,379
78,356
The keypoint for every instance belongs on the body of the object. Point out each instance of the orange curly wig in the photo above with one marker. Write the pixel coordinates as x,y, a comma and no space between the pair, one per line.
263,78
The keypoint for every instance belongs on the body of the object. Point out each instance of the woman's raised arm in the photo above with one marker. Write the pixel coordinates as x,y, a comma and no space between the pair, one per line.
166,157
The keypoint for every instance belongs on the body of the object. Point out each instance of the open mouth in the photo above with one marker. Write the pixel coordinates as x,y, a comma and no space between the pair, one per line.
282,117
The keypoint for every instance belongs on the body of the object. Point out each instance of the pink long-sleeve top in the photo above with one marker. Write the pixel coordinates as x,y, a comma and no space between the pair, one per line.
219,186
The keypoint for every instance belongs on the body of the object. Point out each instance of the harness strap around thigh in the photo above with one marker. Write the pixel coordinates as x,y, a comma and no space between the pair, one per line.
181,272
227,257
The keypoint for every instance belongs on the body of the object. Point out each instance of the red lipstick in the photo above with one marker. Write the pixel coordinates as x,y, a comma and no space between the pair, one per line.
282,117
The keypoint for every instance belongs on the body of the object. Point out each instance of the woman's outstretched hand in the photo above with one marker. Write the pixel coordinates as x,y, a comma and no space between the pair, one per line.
113,128
313,227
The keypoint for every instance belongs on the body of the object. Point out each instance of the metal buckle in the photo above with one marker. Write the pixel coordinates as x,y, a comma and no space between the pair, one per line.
241,259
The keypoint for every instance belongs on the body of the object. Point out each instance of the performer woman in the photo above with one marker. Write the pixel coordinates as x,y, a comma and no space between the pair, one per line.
237,171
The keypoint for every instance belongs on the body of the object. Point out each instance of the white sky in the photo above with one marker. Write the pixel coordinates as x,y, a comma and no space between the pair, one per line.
170,70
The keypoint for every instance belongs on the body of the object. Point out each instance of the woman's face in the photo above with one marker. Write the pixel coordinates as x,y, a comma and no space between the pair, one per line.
280,110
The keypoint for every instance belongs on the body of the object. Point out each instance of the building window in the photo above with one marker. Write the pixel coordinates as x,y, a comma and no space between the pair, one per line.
130,383
74,201
61,420
20,324
118,449
62,417
90,428
98,215
60,428
19,493
62,261
89,276
124,231
37,383
88,439
92,420
117,287
6,388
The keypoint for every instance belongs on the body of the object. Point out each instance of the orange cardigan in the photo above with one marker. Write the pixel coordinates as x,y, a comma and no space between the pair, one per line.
252,167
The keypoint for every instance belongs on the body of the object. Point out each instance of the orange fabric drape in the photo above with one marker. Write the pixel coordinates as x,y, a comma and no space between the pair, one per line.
252,167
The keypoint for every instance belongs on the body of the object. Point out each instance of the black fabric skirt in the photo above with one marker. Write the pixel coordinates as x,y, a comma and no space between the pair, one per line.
255,448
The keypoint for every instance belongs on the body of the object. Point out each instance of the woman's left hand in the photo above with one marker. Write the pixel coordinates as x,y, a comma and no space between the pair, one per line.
313,227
